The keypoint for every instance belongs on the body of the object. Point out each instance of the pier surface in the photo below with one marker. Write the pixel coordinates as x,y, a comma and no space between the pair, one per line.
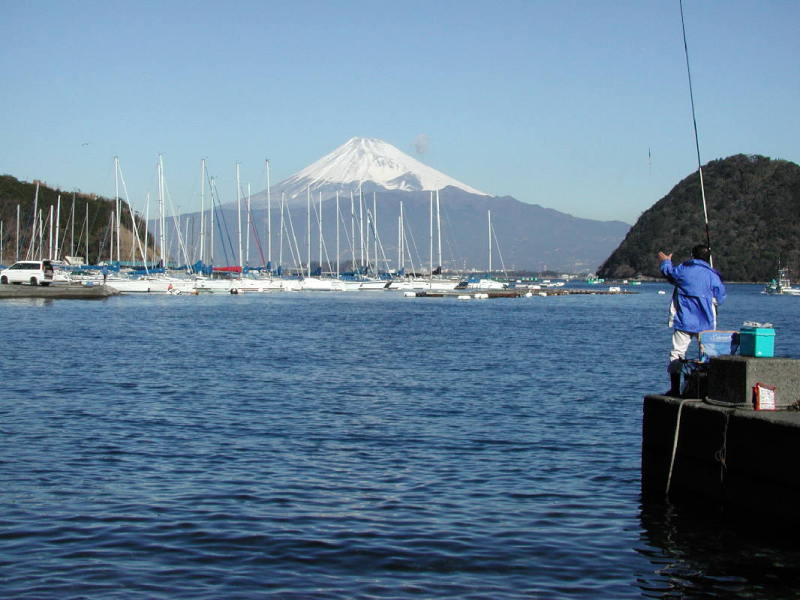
83,292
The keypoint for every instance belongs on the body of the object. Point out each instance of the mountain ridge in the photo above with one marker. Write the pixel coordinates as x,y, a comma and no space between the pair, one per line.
530,236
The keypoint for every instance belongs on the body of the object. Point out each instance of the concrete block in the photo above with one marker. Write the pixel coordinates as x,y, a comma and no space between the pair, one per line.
731,378
734,456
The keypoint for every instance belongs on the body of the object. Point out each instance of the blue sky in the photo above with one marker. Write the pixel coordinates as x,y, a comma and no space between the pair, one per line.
581,106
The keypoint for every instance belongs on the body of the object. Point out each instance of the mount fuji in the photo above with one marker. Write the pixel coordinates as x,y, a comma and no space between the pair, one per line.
530,236
370,165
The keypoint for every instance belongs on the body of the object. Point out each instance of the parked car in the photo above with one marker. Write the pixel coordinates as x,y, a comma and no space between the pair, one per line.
34,272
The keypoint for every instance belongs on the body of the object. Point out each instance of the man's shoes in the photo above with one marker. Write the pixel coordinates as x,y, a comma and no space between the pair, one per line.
675,385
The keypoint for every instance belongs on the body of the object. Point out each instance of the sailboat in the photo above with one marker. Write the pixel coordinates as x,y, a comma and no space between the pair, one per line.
435,281
488,282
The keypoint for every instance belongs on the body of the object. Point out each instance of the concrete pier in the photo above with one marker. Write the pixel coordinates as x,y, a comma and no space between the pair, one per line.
82,292
727,452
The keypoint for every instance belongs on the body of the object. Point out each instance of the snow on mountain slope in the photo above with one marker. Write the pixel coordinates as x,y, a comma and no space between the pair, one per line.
368,161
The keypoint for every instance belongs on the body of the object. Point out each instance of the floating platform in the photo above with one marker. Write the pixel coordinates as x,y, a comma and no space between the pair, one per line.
514,293
52,292
719,449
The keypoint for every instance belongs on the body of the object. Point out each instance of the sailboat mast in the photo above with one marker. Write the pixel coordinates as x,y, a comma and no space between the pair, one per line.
111,237
249,225
361,223
186,237
239,215
58,228
202,212
146,225
400,239
280,248
337,234
269,219
72,232
162,242
353,229
375,229
117,203
489,218
50,236
320,232
308,230
438,231
211,223
430,236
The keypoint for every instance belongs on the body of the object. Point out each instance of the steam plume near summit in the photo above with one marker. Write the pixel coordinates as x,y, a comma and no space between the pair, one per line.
421,143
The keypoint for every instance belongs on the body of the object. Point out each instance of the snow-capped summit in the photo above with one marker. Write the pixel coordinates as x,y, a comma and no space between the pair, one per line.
370,163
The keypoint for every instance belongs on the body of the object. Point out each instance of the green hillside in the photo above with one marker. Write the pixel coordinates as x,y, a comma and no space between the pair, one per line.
754,219
15,193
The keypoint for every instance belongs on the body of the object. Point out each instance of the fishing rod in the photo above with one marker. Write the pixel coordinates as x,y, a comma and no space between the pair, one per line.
696,139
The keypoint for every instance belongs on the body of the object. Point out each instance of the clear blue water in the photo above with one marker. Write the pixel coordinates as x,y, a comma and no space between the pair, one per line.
353,446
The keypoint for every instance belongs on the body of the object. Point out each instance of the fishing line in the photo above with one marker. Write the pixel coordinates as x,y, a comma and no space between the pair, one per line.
696,139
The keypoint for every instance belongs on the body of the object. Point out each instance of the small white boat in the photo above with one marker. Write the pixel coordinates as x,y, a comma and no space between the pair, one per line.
485,284
428,285
321,284
150,285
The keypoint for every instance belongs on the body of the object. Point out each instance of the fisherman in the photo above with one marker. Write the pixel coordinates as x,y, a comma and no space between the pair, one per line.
698,291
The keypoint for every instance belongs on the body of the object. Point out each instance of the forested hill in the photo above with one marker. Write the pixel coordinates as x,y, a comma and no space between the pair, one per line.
754,218
14,192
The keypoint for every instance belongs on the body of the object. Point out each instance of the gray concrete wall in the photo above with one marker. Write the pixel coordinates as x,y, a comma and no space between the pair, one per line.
743,458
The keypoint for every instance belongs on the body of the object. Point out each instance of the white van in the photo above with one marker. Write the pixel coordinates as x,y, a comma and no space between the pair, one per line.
34,272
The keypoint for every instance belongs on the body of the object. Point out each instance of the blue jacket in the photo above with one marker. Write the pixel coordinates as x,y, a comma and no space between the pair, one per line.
697,287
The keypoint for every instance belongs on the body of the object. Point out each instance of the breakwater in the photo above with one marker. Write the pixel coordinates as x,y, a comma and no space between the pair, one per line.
52,292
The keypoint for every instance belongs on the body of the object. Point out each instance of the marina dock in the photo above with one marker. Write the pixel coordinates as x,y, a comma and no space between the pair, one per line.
516,293
52,292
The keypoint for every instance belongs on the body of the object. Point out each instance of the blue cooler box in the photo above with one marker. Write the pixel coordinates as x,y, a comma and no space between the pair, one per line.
757,341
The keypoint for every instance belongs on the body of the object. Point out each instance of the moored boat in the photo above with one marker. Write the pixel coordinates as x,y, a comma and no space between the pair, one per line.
781,285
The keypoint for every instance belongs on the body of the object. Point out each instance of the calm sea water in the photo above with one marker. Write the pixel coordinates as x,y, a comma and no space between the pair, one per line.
354,446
